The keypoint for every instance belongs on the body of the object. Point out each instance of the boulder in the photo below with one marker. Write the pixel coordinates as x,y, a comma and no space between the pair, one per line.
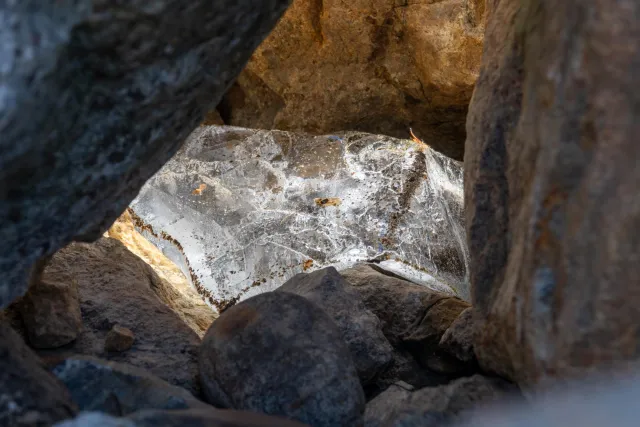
551,175
378,66
50,310
115,288
280,354
435,406
370,350
29,395
119,389
94,98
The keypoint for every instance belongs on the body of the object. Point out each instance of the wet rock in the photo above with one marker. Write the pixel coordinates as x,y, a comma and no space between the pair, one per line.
119,389
94,100
435,406
118,339
421,58
115,288
279,354
29,395
551,200
458,338
370,350
50,310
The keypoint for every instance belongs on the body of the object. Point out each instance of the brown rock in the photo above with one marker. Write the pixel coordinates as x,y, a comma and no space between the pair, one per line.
115,288
50,310
29,395
119,339
374,66
551,189
458,338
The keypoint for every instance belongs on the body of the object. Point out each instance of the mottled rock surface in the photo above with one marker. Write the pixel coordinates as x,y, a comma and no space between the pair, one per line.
119,389
370,350
94,98
115,288
50,310
279,354
551,177
29,395
434,406
379,66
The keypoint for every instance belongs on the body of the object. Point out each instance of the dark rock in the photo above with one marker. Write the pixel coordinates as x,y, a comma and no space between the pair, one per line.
119,389
434,406
360,328
119,339
115,288
50,310
29,395
551,189
458,339
279,354
94,98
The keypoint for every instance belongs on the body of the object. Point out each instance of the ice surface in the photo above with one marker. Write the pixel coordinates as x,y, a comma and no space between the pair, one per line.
244,210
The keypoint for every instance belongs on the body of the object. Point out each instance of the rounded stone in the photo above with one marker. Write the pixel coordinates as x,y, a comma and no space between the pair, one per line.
280,354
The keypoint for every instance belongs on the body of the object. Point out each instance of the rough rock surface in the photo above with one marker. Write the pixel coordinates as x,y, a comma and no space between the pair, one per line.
434,406
551,176
50,310
173,288
379,66
279,354
29,395
458,338
115,287
119,339
370,350
94,98
119,389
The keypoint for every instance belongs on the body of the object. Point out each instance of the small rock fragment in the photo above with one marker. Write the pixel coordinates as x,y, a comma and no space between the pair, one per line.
458,339
119,338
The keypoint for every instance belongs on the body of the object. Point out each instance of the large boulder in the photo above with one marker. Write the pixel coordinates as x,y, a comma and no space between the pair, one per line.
94,98
360,328
29,395
116,289
280,354
551,176
378,66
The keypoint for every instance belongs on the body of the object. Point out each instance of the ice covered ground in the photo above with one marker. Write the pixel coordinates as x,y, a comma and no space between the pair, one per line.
244,210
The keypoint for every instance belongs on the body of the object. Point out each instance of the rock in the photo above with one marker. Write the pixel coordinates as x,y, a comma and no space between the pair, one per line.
370,350
173,288
115,288
279,354
552,207
377,66
91,419
29,395
118,339
458,339
434,406
50,310
94,100
119,389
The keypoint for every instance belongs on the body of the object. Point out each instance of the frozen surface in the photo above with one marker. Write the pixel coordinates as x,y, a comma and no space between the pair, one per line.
245,210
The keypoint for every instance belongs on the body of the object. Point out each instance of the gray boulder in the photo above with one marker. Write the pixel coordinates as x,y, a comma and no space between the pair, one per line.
279,354
94,98
360,328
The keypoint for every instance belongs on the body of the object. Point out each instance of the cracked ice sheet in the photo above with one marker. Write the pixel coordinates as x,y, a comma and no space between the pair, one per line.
250,209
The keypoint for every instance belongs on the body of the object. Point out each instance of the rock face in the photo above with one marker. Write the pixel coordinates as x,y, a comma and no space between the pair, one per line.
243,211
378,66
173,288
115,288
50,310
279,354
29,395
94,99
119,389
551,189
370,350
434,406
